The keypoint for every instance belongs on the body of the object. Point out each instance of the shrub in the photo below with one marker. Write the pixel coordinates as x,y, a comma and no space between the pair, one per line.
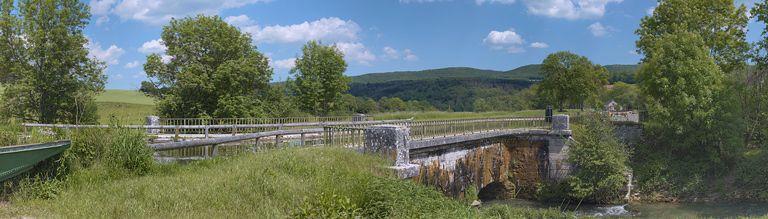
600,162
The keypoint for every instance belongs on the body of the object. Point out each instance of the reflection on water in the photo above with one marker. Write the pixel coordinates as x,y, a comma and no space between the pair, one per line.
660,210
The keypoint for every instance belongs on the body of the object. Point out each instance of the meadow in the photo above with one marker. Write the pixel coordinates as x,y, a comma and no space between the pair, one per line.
293,182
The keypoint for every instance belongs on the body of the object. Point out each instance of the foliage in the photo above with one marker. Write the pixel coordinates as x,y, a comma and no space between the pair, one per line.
281,183
601,162
626,95
751,179
449,94
696,124
571,79
719,23
44,62
319,78
213,71
753,92
624,73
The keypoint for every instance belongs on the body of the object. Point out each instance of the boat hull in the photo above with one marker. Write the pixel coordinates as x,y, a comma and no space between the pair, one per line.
15,160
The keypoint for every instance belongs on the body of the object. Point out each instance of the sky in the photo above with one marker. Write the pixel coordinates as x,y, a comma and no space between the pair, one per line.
383,35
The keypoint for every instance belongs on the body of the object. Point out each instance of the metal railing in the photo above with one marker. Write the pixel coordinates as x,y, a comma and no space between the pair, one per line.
353,136
250,121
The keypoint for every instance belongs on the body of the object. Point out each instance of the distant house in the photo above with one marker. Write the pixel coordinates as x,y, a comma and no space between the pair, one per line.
612,106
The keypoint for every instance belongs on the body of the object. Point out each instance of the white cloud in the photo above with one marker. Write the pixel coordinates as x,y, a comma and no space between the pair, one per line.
508,40
101,8
391,53
109,55
505,2
409,56
153,46
161,11
569,9
503,38
133,64
165,58
394,54
330,29
239,21
633,52
356,52
597,29
119,77
539,45
284,63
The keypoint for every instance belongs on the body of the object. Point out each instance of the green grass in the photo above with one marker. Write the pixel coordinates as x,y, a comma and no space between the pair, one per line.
308,182
125,113
124,96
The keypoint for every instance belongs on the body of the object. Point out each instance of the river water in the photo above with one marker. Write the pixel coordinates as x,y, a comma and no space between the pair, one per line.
659,210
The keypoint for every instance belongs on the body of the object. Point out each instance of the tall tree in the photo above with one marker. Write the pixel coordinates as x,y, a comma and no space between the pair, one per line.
45,64
320,79
571,79
213,71
720,23
755,89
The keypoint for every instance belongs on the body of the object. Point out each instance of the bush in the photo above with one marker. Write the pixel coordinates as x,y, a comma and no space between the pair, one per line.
599,160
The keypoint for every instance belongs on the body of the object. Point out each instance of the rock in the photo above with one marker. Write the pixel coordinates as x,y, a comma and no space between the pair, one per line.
476,203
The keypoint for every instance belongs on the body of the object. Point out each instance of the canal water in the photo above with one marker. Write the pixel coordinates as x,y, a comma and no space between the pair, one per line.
659,210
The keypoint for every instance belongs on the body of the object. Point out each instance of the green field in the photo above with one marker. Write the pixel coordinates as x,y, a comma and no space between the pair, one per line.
127,106
125,96
286,183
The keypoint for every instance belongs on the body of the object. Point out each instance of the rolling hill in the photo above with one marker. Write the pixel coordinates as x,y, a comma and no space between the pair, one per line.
457,88
527,72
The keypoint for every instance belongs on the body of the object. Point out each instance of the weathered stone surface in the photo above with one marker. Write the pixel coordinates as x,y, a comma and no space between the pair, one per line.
560,122
390,141
153,121
509,166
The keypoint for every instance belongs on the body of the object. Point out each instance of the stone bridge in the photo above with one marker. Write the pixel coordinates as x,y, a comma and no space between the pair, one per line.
496,164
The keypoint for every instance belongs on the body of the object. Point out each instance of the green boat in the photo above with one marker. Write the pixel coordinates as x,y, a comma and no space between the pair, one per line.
15,160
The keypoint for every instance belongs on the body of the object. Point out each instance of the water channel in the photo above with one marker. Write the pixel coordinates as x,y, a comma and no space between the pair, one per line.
658,210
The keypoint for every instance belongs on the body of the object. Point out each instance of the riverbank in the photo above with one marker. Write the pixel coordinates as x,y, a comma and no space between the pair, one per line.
308,182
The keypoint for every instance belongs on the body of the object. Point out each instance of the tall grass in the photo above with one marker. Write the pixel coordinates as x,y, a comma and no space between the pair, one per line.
298,182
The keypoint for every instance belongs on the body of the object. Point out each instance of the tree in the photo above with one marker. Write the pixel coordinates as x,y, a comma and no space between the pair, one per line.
319,78
45,64
571,79
720,23
392,104
754,92
601,162
696,126
213,71
626,95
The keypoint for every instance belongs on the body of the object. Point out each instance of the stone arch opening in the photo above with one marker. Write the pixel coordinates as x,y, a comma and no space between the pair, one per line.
495,191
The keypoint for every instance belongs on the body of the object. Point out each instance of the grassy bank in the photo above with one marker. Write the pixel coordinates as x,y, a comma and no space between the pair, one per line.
310,182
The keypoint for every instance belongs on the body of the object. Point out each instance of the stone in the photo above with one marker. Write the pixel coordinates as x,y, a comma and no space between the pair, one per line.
476,203
389,141
560,122
153,121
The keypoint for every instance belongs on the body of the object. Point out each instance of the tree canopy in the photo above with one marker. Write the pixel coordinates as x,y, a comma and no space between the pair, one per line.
720,23
44,62
571,79
213,71
319,78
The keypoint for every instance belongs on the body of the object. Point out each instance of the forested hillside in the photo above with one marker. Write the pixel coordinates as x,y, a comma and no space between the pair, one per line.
456,89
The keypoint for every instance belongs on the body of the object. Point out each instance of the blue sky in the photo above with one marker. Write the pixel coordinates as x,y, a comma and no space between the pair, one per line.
383,35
